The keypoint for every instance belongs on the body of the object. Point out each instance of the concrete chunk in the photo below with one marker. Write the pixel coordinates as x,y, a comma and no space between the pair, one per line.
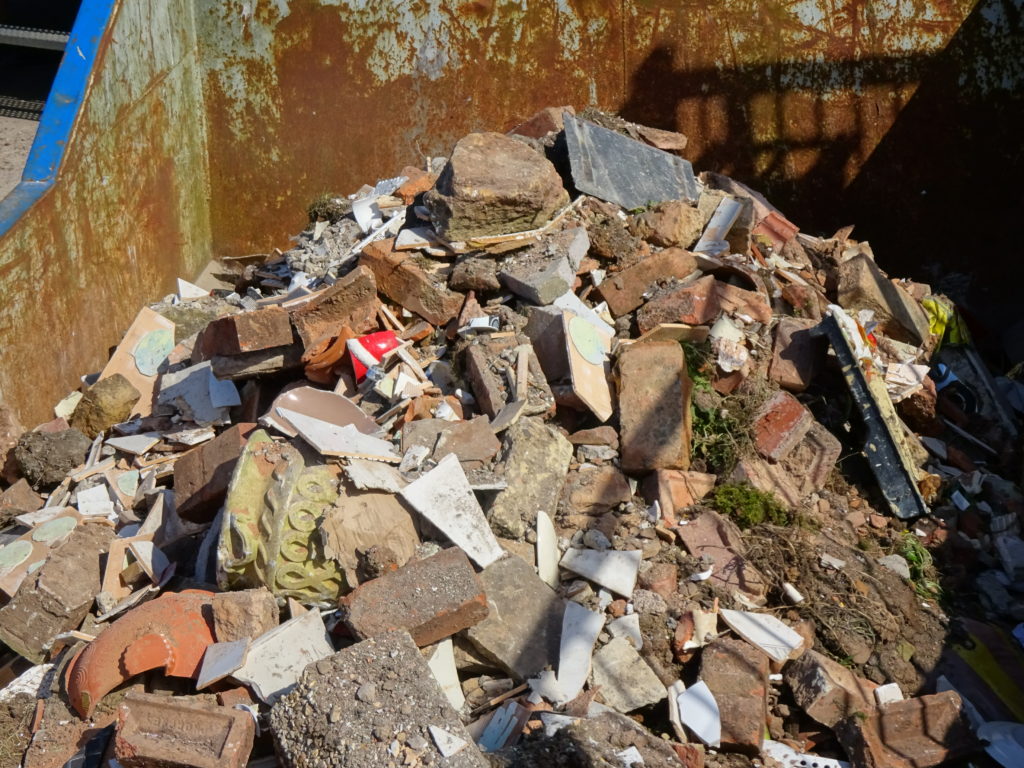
522,631
627,682
349,709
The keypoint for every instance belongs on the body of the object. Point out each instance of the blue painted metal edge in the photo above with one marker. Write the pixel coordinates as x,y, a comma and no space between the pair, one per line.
62,106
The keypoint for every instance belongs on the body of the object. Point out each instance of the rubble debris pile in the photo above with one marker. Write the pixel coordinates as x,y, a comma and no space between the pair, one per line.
550,453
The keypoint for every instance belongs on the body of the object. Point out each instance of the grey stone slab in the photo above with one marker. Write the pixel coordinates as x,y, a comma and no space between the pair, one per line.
621,170
523,630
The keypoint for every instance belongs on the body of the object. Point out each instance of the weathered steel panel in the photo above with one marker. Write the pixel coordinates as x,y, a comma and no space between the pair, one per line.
127,215
308,97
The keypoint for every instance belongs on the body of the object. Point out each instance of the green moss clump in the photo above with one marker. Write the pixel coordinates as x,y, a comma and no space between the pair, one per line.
748,506
329,207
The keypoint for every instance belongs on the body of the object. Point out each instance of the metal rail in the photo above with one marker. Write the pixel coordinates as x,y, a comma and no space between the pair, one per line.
23,109
27,37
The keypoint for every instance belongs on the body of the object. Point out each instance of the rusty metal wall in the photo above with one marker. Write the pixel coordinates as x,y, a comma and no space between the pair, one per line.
127,214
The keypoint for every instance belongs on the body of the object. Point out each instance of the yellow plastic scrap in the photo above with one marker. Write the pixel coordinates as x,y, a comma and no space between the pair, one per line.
944,321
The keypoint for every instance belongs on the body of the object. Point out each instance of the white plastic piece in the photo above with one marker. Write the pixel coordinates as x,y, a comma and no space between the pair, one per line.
614,569
443,497
792,593
699,712
769,634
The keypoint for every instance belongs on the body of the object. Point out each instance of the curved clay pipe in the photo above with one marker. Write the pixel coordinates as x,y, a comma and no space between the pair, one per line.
171,631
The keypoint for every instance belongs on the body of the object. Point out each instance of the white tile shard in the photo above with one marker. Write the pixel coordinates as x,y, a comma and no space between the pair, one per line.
614,569
374,476
768,633
331,440
277,658
547,550
580,628
628,626
221,660
187,290
444,498
448,744
136,445
699,712
442,666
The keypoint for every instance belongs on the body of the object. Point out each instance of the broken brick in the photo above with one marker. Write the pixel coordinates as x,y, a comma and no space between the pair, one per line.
779,425
431,599
246,332
654,407
916,733
795,354
202,475
58,596
624,291
675,489
405,282
826,690
694,303
737,674
595,490
244,614
351,301
181,732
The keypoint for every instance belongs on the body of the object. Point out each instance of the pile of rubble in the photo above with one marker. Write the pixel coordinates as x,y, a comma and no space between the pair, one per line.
550,454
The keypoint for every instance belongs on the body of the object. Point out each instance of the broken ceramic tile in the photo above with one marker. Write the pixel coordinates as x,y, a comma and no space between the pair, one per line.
766,632
221,660
319,404
135,445
547,550
332,440
442,665
447,743
698,711
276,659
613,569
374,476
141,354
580,629
443,496
628,626
587,349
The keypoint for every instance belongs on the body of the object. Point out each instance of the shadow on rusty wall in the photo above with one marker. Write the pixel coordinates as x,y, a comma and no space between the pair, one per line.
938,195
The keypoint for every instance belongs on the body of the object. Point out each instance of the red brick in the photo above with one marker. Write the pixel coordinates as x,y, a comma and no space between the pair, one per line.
767,477
662,578
19,498
595,436
732,298
431,598
916,733
779,425
811,462
168,732
690,755
826,690
403,281
624,290
654,407
694,303
244,614
919,410
712,535
675,489
795,354
542,123
418,182
246,332
351,301
737,674
201,476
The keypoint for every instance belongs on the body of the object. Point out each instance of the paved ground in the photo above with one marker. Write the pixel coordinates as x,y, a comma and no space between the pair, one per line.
15,141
